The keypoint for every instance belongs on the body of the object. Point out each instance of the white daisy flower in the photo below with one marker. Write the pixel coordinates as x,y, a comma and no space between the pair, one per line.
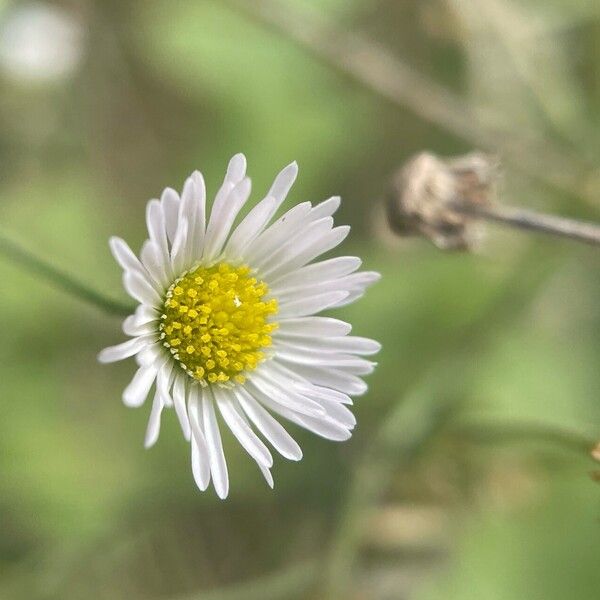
225,323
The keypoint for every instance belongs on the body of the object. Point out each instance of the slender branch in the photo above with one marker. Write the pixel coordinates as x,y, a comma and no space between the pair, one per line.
15,253
443,199
376,69
529,220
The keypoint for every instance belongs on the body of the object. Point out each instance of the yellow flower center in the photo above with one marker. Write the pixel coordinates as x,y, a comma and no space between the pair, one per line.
215,323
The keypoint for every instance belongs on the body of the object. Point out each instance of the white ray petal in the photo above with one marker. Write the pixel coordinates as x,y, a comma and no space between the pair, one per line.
273,431
179,248
132,327
312,326
152,354
357,282
283,183
310,305
258,218
155,220
194,408
200,456
353,296
302,238
137,391
322,426
199,195
125,256
236,169
343,382
300,383
265,470
249,228
218,465
262,387
153,428
331,378
277,233
200,466
179,402
267,475
197,191
145,314
321,245
124,350
326,208
360,281
141,289
334,345
188,217
322,393
170,206
222,217
339,413
164,381
192,209
240,429
358,367
317,272
153,260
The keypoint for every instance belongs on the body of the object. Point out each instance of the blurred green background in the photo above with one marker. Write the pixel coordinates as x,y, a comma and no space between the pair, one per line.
446,490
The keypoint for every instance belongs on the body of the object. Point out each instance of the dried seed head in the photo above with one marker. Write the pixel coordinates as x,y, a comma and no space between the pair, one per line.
424,191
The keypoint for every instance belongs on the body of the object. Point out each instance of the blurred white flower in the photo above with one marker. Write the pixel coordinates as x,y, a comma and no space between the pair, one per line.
40,42
226,321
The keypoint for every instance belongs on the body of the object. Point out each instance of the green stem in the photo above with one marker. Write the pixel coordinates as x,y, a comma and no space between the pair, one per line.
62,280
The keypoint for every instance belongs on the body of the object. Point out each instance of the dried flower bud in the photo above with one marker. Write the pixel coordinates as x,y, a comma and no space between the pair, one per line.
426,191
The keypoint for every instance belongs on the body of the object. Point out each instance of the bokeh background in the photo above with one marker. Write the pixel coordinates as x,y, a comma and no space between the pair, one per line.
459,483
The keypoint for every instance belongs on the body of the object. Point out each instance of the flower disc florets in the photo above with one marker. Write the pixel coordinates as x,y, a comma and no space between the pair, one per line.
216,322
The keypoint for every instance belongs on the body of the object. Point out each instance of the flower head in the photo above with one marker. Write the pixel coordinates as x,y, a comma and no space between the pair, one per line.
226,321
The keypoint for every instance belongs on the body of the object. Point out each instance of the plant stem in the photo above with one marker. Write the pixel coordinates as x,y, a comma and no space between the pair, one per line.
62,280
529,220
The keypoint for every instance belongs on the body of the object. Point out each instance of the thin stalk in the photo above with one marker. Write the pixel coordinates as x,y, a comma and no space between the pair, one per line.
529,220
60,279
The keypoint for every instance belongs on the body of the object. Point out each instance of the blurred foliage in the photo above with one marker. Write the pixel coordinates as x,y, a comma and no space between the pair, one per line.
162,88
